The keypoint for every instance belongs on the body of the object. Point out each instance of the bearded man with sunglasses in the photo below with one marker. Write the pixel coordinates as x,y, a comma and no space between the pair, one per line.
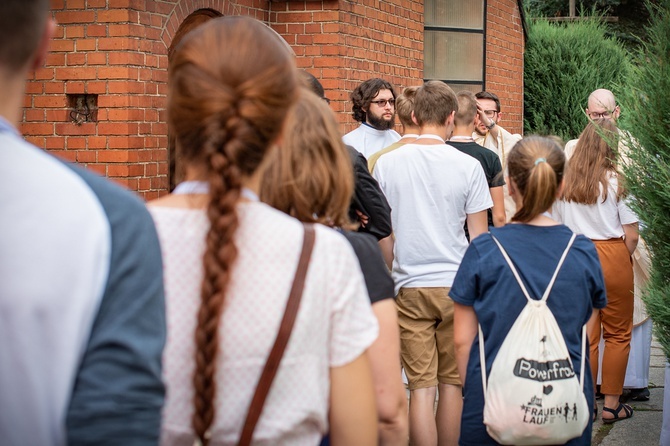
374,107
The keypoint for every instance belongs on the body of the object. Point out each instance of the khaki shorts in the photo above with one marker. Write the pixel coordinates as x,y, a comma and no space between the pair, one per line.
426,318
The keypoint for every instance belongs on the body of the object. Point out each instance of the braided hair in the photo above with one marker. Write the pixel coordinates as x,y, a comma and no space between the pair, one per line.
231,83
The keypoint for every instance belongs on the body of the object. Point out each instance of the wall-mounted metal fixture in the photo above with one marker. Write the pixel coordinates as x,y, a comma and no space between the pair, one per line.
83,108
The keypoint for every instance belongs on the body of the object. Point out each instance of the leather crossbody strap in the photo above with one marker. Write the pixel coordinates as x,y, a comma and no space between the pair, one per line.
272,364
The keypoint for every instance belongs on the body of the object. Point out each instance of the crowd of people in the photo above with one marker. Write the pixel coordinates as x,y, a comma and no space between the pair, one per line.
298,284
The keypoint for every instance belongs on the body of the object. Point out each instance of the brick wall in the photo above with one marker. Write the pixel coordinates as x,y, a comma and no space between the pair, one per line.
117,50
504,60
344,42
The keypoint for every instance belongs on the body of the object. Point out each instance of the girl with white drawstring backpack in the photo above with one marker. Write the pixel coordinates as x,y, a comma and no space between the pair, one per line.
523,295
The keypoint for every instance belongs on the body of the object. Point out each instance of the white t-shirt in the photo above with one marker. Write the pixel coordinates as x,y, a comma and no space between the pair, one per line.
368,140
599,221
431,189
334,325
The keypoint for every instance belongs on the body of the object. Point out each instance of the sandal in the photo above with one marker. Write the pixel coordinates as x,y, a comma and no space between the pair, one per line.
628,411
639,394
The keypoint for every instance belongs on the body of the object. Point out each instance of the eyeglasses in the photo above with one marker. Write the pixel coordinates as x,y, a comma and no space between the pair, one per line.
383,102
490,113
605,114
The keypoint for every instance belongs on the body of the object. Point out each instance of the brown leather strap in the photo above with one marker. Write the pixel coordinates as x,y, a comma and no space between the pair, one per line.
272,364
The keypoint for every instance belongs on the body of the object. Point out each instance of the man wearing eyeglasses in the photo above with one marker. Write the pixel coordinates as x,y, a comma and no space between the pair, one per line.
600,105
374,107
490,134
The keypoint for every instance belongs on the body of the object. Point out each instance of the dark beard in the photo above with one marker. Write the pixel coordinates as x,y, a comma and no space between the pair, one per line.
380,123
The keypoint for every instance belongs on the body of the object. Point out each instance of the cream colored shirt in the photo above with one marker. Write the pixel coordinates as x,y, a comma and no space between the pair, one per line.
334,325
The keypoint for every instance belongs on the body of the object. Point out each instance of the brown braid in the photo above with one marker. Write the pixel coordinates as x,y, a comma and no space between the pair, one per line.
232,82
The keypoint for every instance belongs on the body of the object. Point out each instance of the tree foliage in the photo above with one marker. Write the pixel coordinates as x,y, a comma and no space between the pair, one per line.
646,116
564,63
560,8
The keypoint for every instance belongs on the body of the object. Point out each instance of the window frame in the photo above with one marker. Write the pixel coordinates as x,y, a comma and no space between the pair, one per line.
453,29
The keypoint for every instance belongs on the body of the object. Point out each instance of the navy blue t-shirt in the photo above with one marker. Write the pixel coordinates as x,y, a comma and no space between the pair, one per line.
485,282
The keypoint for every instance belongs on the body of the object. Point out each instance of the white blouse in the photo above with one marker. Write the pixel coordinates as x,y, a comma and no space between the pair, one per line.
599,221
335,324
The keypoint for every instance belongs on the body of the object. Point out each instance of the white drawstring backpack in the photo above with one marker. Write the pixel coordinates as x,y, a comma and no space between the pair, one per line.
533,396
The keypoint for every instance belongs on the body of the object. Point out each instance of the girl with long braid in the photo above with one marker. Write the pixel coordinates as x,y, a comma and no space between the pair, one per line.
229,262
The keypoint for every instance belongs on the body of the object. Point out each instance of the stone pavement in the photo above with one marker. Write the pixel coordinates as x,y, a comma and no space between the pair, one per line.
644,429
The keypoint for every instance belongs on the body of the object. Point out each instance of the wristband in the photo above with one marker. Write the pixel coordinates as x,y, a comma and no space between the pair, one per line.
490,126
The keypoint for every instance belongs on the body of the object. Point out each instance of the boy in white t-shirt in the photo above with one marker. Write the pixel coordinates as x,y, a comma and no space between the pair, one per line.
433,189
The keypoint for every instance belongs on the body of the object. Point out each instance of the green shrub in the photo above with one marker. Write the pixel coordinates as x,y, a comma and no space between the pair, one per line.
564,63
646,116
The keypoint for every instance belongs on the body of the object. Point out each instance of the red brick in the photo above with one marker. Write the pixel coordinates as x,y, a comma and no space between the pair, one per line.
70,128
61,45
85,44
75,59
113,156
57,115
34,128
54,143
85,156
75,17
96,58
75,73
96,30
49,101
54,88
34,115
114,16
74,32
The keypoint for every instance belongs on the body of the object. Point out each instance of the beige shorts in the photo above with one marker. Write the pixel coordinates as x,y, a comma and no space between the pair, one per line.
426,318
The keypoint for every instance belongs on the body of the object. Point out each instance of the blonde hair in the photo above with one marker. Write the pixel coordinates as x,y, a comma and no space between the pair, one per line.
310,176
404,106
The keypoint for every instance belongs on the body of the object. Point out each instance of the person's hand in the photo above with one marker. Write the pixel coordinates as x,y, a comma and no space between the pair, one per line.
482,116
364,219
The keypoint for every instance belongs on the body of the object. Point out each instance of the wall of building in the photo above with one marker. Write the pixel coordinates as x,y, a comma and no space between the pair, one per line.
504,60
116,50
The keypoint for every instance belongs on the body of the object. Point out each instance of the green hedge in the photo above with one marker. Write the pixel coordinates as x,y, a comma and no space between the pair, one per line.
564,63
646,115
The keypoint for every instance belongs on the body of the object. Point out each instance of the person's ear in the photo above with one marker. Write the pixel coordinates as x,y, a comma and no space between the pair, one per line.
616,113
450,119
414,119
43,46
498,117
511,187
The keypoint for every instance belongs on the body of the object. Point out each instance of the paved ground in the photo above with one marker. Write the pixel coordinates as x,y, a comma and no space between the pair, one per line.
644,429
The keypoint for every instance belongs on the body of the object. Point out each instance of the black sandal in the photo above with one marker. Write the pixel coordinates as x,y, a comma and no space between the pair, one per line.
628,411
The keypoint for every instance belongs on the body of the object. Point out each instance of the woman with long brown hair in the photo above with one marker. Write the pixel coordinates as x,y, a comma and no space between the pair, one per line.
594,203
310,177
229,262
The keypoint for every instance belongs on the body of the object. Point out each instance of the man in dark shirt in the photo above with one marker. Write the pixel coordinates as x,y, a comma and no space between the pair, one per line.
461,138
